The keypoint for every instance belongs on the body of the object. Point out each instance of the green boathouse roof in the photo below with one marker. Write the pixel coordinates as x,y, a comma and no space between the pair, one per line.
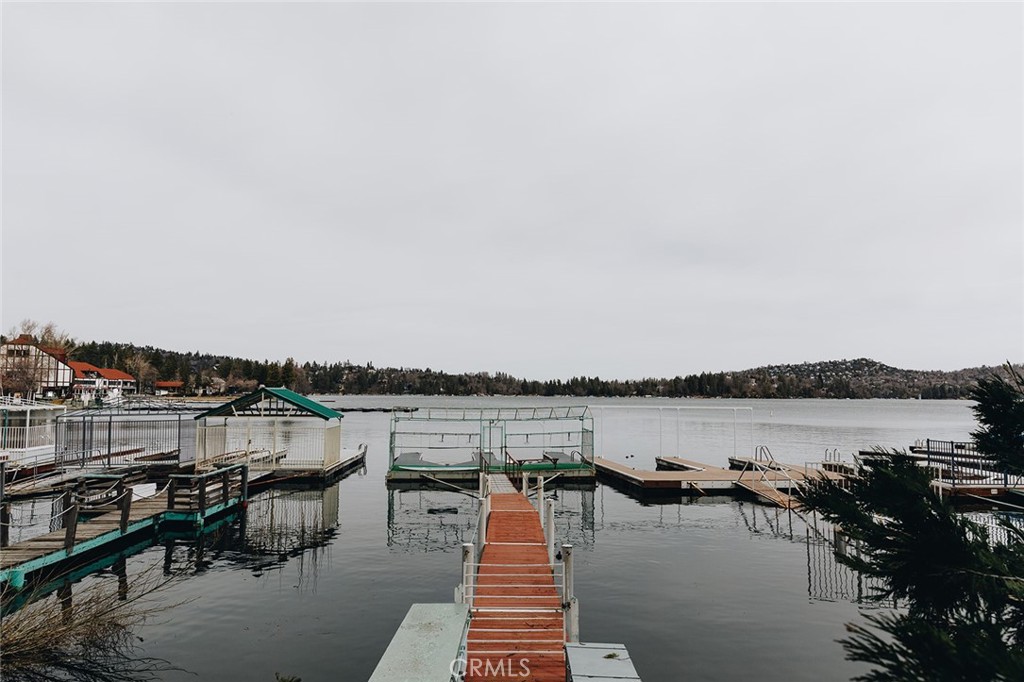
277,399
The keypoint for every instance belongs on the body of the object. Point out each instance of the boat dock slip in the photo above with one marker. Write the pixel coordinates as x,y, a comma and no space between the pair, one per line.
190,499
462,445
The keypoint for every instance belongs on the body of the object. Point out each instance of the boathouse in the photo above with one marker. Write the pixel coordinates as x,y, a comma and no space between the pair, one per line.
272,429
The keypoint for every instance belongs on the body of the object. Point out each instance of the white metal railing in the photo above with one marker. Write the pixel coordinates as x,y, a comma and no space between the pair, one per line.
561,571
563,588
27,402
26,437
477,414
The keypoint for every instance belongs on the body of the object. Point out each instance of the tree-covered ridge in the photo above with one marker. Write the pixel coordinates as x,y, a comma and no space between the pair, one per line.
861,378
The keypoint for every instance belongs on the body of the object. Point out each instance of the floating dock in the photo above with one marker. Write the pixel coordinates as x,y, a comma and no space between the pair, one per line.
462,445
520,614
960,472
772,484
187,499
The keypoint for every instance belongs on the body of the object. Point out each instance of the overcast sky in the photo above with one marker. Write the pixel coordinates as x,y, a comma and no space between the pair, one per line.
621,190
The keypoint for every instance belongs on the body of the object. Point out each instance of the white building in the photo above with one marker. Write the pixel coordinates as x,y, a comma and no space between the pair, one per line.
31,370
91,382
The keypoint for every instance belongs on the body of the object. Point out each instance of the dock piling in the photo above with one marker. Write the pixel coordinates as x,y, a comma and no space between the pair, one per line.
202,497
5,523
572,617
467,573
70,525
540,499
126,510
549,529
481,524
5,509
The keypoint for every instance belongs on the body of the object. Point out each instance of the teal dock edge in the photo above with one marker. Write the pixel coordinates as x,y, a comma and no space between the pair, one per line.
15,577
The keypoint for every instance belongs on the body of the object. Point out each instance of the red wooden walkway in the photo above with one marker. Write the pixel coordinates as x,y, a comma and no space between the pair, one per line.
517,629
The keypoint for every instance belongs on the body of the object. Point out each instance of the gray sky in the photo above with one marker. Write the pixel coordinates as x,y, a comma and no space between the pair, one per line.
621,190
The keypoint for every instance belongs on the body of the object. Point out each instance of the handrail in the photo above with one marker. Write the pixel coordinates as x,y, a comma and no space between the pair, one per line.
763,454
763,470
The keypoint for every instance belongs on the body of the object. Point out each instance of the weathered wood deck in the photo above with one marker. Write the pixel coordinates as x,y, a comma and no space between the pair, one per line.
187,498
517,627
87,534
689,477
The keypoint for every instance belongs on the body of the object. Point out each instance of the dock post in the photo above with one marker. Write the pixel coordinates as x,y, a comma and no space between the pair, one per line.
5,510
467,573
202,498
245,482
481,525
567,565
572,619
526,483
549,529
225,487
540,500
5,524
126,509
171,485
70,526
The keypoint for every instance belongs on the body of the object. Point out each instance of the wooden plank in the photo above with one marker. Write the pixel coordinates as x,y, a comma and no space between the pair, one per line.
505,639
53,542
767,492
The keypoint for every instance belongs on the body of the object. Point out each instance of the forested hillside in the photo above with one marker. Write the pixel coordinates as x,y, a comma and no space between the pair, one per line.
860,378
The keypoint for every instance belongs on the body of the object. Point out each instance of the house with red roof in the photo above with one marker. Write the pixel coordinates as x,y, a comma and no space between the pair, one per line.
168,387
92,382
29,369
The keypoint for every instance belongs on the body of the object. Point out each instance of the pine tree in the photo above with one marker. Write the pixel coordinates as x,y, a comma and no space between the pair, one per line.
999,409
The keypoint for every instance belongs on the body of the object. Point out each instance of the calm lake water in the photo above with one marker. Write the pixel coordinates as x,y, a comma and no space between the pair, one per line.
317,582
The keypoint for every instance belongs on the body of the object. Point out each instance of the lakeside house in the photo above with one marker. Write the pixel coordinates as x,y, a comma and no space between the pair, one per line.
29,369
162,388
92,382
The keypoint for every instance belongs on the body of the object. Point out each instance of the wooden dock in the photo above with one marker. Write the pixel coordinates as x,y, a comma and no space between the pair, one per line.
687,477
191,499
515,601
517,623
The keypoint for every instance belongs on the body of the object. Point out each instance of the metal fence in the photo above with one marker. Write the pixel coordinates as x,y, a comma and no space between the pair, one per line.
106,439
27,437
490,437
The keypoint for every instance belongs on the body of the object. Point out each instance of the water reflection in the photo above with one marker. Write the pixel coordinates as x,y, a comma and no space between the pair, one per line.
829,580
277,526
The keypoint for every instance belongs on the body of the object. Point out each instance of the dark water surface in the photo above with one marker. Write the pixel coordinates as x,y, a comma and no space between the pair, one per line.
709,590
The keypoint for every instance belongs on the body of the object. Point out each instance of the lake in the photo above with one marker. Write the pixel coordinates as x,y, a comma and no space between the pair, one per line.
316,582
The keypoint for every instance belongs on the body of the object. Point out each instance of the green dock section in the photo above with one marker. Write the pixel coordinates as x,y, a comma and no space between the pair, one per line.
188,499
